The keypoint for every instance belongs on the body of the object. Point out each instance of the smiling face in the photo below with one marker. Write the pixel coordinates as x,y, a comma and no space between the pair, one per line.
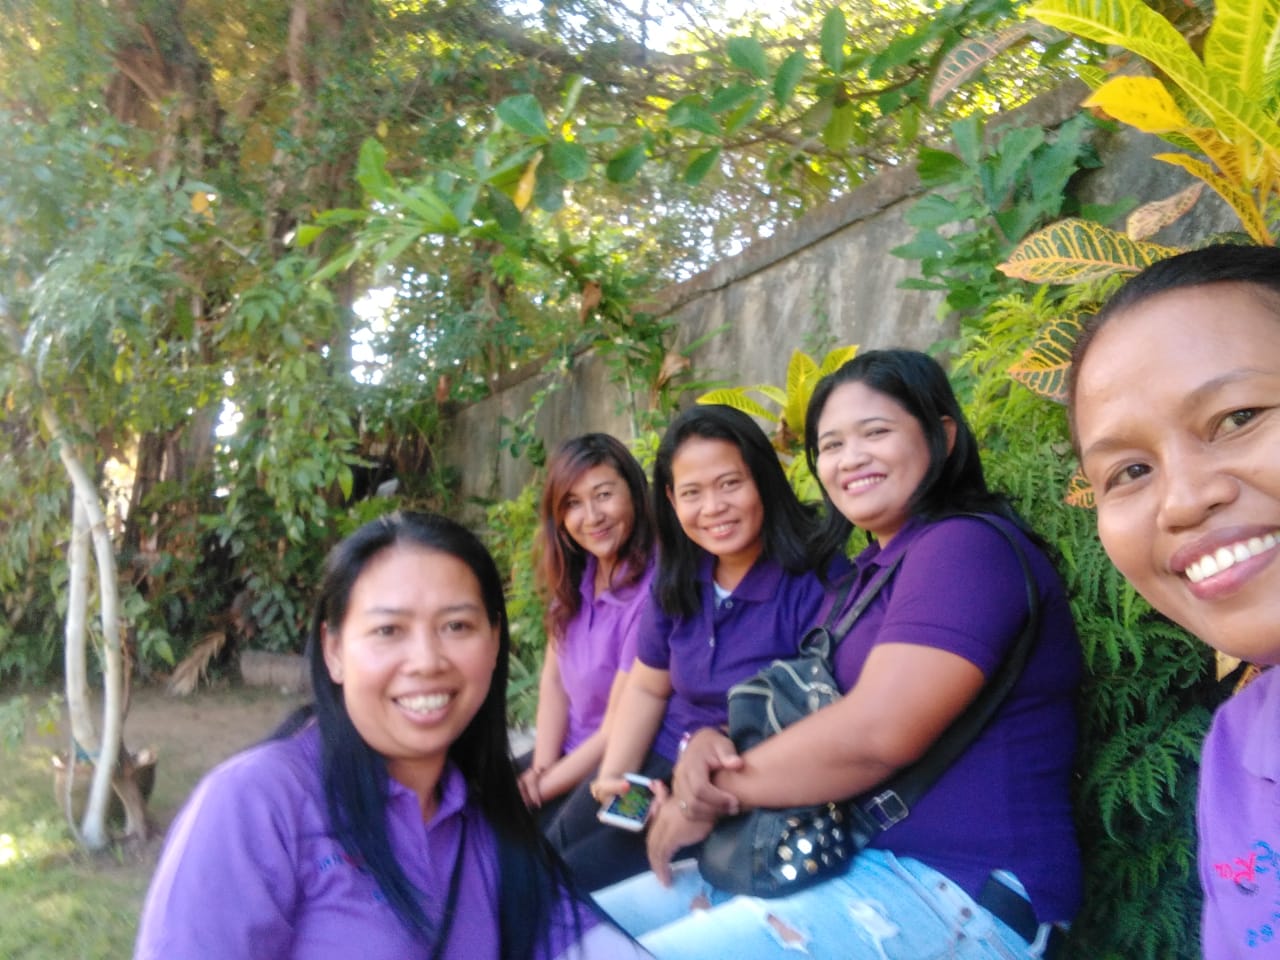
414,655
718,505
872,456
598,513
1178,420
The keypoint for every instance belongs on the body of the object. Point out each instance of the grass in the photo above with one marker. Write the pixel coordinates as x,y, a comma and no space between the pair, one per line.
59,903
56,902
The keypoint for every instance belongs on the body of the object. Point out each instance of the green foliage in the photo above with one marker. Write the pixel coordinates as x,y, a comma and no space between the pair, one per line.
511,531
1148,688
983,200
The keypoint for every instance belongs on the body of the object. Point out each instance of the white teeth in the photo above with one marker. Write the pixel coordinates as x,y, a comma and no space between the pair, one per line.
425,703
863,482
1226,557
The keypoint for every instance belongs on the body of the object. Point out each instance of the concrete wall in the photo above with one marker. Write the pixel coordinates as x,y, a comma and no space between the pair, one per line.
826,280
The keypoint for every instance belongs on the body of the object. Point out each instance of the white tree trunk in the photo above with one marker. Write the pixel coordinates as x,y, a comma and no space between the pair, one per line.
83,731
93,828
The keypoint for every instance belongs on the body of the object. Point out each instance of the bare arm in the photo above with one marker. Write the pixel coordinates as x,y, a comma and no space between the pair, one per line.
905,698
574,767
552,723
639,716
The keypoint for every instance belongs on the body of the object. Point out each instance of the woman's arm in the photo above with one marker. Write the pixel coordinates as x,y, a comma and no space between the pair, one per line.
551,725
953,610
632,731
905,698
575,766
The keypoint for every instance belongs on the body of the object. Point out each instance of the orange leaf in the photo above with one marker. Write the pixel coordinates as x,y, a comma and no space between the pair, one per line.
1043,368
591,295
1153,217
1079,492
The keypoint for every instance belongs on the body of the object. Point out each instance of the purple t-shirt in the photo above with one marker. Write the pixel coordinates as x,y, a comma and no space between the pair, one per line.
597,643
1005,803
1239,825
724,642
250,869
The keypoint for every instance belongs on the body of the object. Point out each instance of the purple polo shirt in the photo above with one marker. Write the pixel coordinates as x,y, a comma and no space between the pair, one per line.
1005,802
597,643
763,619
250,869
1239,823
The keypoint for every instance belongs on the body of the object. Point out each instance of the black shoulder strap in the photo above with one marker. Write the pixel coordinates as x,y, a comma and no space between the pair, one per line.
894,799
821,641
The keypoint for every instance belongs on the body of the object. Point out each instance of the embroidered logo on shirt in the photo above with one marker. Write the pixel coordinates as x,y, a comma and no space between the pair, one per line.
1247,875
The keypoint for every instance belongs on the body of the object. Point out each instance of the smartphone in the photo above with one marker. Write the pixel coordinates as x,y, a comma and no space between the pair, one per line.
629,810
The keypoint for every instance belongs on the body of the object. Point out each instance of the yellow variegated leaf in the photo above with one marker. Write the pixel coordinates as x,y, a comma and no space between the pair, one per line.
1076,251
1079,492
1222,154
1136,27
1043,368
1153,217
1242,44
836,359
1141,102
800,379
1255,224
738,399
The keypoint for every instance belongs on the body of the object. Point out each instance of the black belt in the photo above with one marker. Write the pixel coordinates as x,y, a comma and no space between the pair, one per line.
1014,911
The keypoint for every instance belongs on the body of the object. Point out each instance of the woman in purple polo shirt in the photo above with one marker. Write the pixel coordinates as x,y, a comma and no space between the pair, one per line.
1175,403
384,821
595,563
735,589
986,864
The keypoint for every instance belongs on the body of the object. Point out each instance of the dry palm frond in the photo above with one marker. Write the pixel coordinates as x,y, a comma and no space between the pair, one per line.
187,674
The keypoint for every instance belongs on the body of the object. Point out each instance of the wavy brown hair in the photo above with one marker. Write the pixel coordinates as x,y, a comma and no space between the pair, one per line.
560,559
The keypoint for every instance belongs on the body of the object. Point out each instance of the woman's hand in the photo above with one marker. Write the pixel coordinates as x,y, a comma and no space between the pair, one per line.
530,788
670,829
707,752
605,787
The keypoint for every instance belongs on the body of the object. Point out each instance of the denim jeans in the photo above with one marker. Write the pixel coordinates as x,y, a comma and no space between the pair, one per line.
883,907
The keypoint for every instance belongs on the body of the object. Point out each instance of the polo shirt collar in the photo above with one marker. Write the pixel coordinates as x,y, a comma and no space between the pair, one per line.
878,556
453,793
618,598
761,583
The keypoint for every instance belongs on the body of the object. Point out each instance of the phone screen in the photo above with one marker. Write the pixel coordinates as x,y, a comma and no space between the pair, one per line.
632,805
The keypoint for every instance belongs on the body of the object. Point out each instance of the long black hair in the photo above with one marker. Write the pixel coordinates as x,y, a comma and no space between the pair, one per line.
1222,263
532,881
954,481
788,524
562,560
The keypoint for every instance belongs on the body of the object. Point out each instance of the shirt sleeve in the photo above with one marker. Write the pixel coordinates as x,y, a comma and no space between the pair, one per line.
960,588
653,636
226,883
629,626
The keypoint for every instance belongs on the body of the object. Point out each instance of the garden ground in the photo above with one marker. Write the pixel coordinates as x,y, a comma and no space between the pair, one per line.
57,903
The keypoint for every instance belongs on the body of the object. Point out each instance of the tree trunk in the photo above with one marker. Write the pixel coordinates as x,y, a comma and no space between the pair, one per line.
84,736
93,828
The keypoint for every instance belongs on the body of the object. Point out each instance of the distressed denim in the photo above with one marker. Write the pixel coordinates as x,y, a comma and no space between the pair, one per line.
882,908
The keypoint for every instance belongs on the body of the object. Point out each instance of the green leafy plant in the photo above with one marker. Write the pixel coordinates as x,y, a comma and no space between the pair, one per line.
1148,686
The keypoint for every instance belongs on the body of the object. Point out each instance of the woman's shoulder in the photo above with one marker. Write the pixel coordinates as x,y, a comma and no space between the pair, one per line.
276,772
977,538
